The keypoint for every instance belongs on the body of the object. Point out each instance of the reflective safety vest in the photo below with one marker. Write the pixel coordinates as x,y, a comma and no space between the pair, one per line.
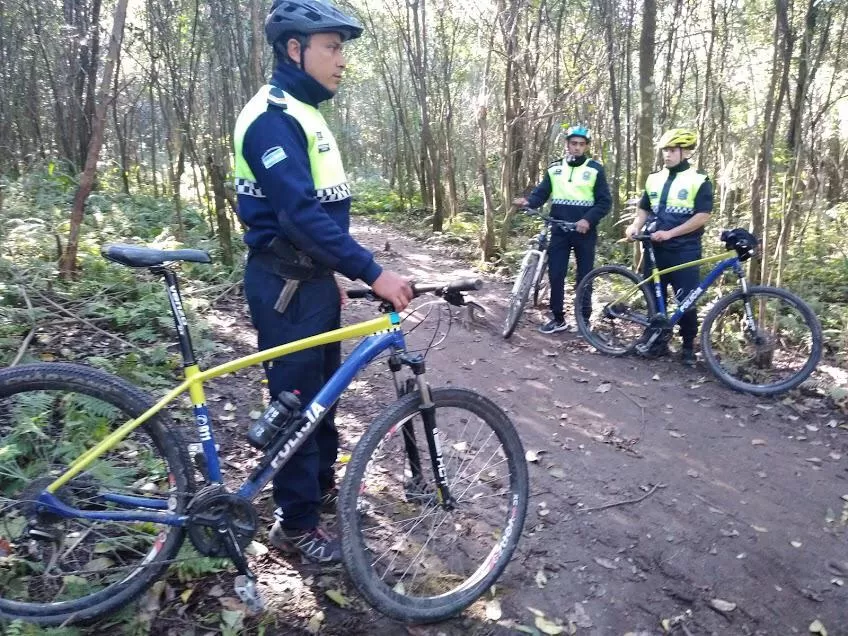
572,185
680,201
325,160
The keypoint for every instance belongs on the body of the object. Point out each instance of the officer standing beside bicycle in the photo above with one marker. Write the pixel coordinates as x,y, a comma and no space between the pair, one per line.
680,198
295,201
578,189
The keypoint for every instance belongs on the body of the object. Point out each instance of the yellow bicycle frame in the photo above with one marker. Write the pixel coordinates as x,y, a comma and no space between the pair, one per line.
194,379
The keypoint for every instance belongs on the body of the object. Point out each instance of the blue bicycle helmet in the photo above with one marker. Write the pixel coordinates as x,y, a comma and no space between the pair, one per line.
578,131
305,17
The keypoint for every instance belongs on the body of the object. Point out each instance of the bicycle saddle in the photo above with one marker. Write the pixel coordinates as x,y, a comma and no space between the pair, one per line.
137,256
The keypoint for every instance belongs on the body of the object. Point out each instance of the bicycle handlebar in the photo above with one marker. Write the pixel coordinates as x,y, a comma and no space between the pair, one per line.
451,292
566,226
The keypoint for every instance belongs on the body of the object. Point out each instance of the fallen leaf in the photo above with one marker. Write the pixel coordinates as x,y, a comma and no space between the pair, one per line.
544,512
229,406
729,533
559,473
493,610
817,627
676,434
256,549
186,594
693,473
603,388
541,579
579,616
533,456
811,428
795,544
524,629
547,627
232,604
605,563
723,606
580,380
758,442
759,529
314,624
656,377
216,590
338,598
814,460
233,619
550,354
255,414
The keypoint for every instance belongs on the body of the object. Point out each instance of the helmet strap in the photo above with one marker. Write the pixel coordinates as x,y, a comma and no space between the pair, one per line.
281,48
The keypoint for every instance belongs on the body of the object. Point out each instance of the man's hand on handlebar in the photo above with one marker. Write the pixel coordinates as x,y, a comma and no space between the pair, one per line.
393,288
521,202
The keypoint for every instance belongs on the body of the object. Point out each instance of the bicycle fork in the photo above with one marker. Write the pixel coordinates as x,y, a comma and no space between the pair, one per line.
417,488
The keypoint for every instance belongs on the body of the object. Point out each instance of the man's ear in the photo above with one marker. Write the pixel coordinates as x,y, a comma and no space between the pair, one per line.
293,49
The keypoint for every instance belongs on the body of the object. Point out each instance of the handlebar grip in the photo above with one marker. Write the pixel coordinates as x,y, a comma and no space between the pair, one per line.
465,284
360,292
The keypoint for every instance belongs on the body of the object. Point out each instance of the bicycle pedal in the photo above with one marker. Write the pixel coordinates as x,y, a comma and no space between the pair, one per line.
248,594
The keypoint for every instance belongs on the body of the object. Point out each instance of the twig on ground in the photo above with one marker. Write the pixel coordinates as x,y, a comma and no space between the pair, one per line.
85,321
626,501
24,346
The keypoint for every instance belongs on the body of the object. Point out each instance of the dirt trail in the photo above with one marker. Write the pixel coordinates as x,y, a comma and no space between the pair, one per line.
667,494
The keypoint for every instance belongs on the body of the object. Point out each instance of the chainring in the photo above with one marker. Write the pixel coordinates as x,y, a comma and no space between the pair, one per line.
213,508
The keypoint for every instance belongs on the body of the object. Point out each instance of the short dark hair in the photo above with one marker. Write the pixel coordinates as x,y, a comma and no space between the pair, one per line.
281,47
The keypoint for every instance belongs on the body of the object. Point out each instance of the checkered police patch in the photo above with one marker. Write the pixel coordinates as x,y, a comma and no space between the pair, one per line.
273,156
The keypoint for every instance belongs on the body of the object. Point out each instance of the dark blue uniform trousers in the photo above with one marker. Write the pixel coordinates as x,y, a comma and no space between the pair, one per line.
562,243
315,308
683,281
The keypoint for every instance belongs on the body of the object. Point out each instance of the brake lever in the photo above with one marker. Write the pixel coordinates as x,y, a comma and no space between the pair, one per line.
455,298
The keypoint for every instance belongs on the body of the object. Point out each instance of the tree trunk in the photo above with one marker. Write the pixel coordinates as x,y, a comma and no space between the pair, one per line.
217,176
68,263
646,91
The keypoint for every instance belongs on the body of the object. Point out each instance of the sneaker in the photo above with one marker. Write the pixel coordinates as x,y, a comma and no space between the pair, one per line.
314,545
554,325
658,350
687,356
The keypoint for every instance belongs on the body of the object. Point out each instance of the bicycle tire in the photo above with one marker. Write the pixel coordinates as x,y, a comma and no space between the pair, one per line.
360,490
541,288
519,298
811,329
84,393
590,329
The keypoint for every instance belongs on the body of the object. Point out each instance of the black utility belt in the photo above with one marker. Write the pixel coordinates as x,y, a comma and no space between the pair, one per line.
282,259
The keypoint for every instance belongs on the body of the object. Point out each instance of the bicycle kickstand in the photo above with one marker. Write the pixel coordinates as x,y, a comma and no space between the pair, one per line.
245,585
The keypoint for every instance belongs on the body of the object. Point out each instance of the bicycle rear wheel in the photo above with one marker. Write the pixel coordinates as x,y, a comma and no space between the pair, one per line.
56,570
771,350
409,557
518,298
619,313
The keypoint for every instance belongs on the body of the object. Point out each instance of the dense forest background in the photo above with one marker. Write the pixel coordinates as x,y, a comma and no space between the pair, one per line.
116,120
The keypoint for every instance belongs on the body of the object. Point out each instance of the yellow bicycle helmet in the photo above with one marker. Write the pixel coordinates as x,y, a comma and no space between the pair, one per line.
679,137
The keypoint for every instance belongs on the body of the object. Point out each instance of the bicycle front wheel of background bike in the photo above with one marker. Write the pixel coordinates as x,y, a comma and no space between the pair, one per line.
56,570
611,314
518,299
774,354
410,558
541,289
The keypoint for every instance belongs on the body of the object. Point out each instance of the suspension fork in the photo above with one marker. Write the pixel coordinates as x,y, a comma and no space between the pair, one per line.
395,365
431,430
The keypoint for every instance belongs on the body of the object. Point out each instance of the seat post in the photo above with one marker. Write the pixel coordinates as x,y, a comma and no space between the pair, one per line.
176,301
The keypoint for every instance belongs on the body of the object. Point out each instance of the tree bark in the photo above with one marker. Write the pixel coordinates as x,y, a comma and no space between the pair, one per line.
68,263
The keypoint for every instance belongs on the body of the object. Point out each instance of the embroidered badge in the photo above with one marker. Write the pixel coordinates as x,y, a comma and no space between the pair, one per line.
557,170
323,147
273,156
319,135
683,194
587,175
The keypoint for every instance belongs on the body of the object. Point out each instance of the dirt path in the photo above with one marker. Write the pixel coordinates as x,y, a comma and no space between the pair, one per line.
669,496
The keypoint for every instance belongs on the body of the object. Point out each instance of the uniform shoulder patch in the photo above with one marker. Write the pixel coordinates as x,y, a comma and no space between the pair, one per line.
273,156
594,163
276,97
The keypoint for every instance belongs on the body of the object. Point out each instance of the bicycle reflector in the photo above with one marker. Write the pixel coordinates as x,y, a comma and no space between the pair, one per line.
742,241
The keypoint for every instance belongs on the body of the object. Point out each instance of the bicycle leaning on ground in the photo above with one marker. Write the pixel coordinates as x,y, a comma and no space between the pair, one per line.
97,491
757,339
531,276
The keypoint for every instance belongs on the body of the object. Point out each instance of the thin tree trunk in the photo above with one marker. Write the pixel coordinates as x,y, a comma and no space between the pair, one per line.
68,263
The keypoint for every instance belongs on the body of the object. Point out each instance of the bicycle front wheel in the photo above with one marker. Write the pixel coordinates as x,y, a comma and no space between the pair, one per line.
611,312
518,298
765,341
412,559
57,569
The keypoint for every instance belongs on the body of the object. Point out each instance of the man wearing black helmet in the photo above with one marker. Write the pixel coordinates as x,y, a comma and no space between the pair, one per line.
295,201
577,187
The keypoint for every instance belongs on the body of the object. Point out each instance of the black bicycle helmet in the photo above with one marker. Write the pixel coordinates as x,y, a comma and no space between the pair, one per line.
742,241
306,17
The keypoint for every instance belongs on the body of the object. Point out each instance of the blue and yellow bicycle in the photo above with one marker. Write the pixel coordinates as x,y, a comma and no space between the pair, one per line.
758,339
98,492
